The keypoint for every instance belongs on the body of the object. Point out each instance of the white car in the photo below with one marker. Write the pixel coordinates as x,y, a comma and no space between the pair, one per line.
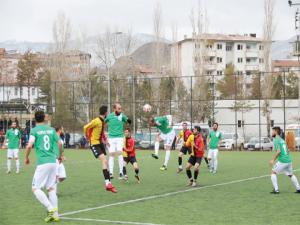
231,141
264,144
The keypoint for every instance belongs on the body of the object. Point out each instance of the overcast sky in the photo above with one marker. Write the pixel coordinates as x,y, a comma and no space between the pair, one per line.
32,20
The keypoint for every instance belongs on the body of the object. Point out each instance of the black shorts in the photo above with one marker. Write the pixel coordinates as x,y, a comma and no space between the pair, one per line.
184,150
130,159
193,160
98,150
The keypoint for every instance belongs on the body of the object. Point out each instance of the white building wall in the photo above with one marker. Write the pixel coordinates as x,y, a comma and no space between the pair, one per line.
9,93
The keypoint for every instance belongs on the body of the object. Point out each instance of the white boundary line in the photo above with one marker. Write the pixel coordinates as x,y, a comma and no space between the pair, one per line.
107,221
163,195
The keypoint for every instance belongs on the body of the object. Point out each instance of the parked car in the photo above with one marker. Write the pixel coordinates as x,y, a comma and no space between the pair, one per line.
148,140
231,141
75,140
254,144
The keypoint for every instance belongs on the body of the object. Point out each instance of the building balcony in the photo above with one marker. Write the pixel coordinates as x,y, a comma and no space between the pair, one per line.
252,54
252,67
211,53
210,66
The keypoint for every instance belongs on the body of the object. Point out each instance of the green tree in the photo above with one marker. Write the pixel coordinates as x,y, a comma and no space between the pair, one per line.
228,85
27,72
292,86
44,83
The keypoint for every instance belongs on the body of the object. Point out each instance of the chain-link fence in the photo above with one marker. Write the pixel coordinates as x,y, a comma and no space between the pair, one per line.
246,106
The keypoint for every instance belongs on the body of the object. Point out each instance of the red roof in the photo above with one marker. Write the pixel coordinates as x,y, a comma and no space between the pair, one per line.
286,63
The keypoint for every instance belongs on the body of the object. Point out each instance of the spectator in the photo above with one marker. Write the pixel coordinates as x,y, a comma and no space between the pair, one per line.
67,137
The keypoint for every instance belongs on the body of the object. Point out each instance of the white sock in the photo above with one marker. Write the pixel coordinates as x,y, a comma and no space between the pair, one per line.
156,148
107,182
111,164
274,182
215,164
167,158
53,200
8,164
180,167
42,197
295,182
120,164
18,164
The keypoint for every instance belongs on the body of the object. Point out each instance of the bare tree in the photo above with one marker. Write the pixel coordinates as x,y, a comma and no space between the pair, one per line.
267,84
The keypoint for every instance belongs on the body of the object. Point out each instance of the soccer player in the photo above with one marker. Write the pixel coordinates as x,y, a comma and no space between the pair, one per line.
195,141
214,139
44,137
282,162
184,134
94,132
115,122
13,139
60,168
129,155
167,134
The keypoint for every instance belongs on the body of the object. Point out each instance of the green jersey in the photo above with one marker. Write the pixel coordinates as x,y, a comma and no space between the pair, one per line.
214,139
115,125
56,148
45,138
13,137
280,145
162,123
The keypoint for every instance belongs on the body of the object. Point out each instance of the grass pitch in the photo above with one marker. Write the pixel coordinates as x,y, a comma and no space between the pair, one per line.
237,195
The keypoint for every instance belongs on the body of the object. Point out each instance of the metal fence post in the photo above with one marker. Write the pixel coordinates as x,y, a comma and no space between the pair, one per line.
191,91
259,108
235,108
284,114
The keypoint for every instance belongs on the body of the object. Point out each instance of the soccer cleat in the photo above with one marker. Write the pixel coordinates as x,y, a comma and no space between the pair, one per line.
215,172
121,177
154,156
56,219
125,178
179,170
8,171
138,179
110,187
297,191
17,172
194,184
274,192
111,176
190,183
163,168
50,217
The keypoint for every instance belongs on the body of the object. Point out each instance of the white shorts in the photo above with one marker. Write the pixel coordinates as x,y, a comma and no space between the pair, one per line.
212,153
44,176
115,145
60,170
168,138
286,168
13,153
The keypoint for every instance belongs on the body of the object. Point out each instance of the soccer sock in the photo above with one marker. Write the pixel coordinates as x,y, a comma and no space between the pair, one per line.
180,161
189,174
124,171
106,176
156,148
8,164
42,197
196,172
215,164
136,171
295,182
53,200
274,181
18,164
111,164
121,164
206,160
167,158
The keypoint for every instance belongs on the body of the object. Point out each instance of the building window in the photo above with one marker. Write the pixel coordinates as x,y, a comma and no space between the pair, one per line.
239,47
219,72
197,45
33,91
16,91
228,48
248,60
209,46
248,73
261,47
21,91
219,60
240,60
248,47
261,60
219,46
239,72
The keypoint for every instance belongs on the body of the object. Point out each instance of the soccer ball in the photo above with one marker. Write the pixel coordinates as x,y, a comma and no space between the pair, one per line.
147,108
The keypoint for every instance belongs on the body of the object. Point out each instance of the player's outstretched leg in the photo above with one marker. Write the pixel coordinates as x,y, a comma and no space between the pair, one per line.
52,193
8,164
207,162
295,183
180,162
108,185
125,171
136,170
156,149
111,162
17,165
189,174
215,165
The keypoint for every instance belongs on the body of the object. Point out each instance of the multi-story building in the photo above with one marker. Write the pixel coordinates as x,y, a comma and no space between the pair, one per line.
244,52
